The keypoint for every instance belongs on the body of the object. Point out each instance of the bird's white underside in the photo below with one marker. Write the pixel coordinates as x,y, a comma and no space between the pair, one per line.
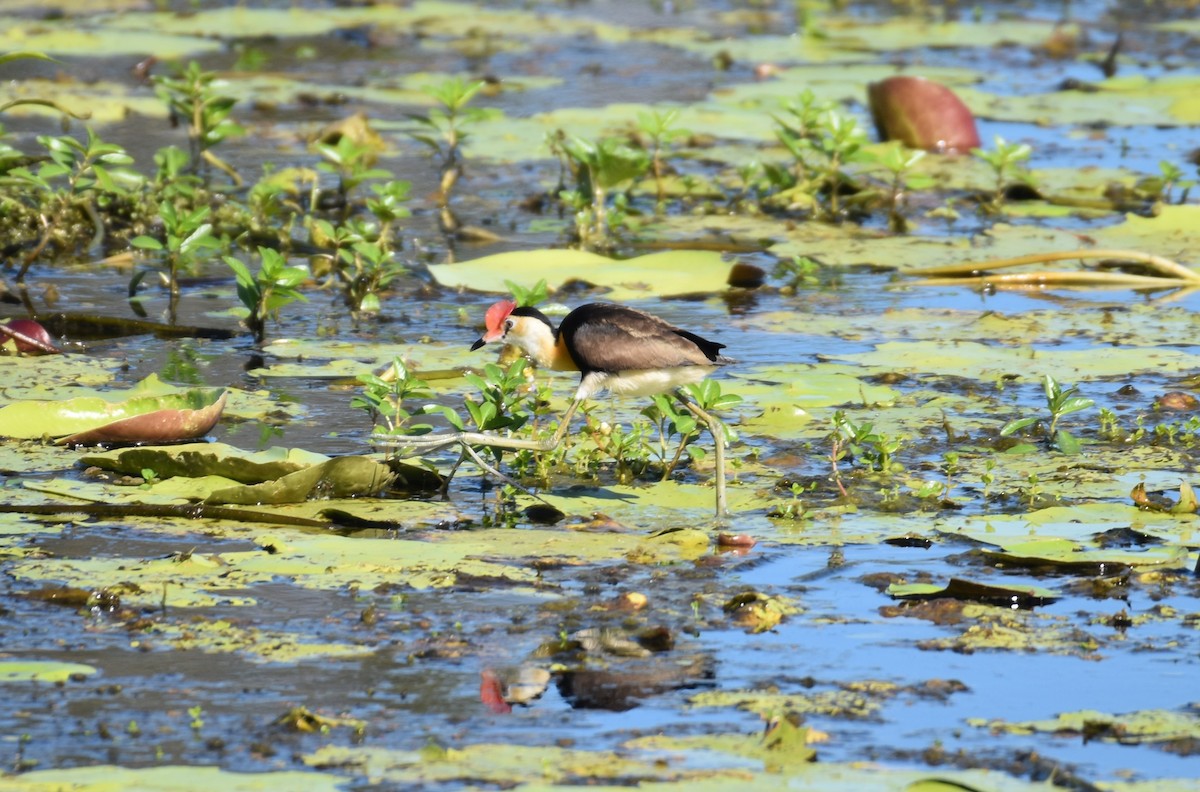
640,382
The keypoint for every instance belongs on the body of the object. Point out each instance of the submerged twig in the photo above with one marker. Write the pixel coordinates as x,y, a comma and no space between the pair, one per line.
8,332
1170,273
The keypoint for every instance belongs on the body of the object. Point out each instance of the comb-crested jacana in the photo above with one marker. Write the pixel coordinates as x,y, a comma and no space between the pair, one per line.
615,348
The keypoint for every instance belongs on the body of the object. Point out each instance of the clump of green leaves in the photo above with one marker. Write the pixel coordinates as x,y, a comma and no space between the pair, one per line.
864,443
531,296
194,99
352,161
898,160
363,258
599,168
384,396
823,142
265,292
674,420
189,239
1060,402
503,392
79,185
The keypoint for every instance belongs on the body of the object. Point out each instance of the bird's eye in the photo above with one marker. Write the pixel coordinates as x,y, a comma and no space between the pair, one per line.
508,325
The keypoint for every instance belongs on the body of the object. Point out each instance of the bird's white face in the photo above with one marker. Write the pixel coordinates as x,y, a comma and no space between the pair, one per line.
525,332
533,336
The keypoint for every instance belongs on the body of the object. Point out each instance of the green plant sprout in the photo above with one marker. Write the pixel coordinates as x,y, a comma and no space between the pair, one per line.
1169,177
877,449
661,129
387,206
1060,403
898,160
822,142
444,136
1006,161
532,296
353,163
503,393
840,144
264,293
384,395
793,509
599,168
189,240
359,262
193,98
798,273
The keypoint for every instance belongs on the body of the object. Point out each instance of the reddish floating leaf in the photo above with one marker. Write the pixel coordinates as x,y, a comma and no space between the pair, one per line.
922,114
159,426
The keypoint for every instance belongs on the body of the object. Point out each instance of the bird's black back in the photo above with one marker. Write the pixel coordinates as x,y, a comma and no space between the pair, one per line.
609,337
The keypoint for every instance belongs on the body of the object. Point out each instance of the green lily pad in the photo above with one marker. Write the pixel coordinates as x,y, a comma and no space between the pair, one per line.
322,359
340,477
490,765
771,763
331,563
1057,552
41,671
840,703
48,377
901,33
988,362
1079,523
172,778
1143,100
71,39
1138,728
255,644
788,394
673,272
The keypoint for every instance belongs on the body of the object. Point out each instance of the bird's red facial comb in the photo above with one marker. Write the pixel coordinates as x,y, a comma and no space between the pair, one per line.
494,320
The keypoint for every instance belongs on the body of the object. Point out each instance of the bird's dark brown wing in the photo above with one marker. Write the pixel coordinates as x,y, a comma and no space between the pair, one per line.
610,337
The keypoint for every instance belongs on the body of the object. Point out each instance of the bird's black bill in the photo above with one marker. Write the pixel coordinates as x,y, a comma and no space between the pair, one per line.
478,343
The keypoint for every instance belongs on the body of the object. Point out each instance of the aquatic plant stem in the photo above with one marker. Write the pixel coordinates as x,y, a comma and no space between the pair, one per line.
1171,271
426,443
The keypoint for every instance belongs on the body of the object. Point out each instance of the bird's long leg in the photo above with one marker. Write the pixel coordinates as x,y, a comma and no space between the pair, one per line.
718,435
